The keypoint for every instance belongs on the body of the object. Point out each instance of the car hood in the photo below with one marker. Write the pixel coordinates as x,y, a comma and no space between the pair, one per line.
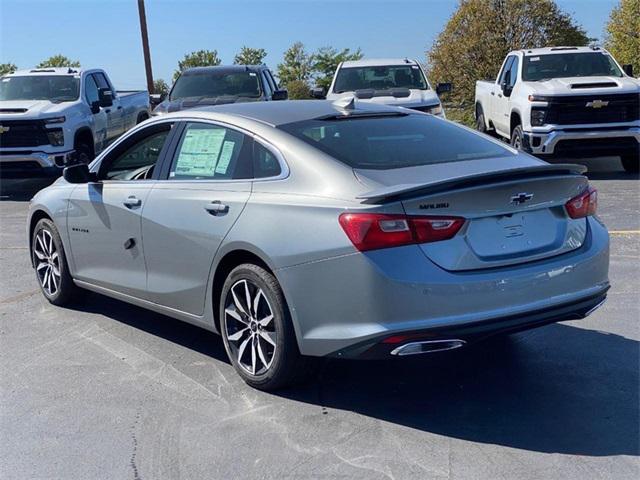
169,106
27,109
415,98
585,86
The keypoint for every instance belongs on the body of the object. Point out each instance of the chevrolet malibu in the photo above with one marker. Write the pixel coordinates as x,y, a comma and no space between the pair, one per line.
312,229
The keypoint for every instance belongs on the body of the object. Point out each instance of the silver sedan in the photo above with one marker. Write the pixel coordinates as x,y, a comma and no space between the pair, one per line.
307,229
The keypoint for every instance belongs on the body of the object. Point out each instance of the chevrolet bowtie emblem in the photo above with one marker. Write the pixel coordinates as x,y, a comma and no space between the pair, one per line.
4,129
597,104
520,198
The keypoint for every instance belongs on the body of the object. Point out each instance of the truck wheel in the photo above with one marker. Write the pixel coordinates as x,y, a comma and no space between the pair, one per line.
481,125
84,152
141,118
631,162
516,138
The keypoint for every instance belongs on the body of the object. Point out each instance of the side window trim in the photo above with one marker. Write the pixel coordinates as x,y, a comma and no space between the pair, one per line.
515,64
506,67
174,142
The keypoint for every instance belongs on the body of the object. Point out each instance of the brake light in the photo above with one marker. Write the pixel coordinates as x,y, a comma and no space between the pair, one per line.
584,204
371,231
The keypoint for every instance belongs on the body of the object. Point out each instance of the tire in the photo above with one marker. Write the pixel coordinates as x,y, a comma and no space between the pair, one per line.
516,137
631,162
481,125
50,261
84,153
141,118
263,352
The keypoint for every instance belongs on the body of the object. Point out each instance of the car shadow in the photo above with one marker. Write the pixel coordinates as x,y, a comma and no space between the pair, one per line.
600,168
557,389
22,189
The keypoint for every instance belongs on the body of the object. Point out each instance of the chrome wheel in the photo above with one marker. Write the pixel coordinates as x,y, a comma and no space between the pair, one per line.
249,327
47,262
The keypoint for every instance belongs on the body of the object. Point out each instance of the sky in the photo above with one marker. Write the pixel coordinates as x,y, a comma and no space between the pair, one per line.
106,33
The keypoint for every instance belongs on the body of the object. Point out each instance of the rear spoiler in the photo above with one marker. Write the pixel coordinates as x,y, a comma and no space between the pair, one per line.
399,192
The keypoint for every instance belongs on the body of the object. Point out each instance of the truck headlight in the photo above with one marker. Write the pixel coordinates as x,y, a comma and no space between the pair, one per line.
436,109
56,136
55,120
538,117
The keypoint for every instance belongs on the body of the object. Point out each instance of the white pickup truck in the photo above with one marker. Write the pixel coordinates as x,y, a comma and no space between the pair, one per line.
390,81
49,116
565,102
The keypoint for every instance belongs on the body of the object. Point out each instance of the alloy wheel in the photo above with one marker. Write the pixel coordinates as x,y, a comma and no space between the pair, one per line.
48,262
250,327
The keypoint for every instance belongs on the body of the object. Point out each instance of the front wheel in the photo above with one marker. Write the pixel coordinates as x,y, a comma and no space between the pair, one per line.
631,162
481,125
52,270
516,137
257,330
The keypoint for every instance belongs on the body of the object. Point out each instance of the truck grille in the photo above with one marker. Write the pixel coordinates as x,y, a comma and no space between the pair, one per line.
22,133
573,110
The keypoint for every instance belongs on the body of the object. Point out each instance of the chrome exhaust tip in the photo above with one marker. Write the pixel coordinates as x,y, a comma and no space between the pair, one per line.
428,346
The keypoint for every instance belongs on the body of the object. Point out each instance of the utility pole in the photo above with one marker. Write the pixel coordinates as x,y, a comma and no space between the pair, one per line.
145,45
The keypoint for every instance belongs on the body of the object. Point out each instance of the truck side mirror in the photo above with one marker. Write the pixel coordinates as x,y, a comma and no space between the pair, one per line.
319,92
281,94
506,88
157,98
105,96
78,173
628,69
95,107
443,88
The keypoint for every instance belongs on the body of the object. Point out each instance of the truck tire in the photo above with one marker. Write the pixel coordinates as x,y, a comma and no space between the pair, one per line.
142,117
84,152
516,137
631,162
481,124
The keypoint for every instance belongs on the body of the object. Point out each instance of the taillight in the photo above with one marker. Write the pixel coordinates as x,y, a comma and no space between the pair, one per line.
584,204
371,231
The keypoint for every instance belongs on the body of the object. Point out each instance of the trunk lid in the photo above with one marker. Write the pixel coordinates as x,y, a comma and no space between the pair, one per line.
513,215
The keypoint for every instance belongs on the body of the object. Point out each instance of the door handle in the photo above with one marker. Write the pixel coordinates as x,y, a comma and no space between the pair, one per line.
499,95
132,201
119,107
216,208
108,110
493,93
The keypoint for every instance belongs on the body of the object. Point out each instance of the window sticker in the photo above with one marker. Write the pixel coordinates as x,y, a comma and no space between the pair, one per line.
199,152
534,59
225,157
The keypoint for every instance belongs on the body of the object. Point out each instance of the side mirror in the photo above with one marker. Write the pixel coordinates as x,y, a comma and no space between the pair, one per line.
157,98
628,69
95,107
319,92
78,173
280,95
506,88
105,96
443,88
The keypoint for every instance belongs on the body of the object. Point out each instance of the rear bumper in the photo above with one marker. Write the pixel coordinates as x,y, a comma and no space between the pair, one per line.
575,142
32,163
359,298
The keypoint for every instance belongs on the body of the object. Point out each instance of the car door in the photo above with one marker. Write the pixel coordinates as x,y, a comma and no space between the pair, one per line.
99,115
205,187
502,115
115,113
103,222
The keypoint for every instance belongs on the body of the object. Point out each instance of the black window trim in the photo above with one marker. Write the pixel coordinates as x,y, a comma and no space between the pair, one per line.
505,67
178,131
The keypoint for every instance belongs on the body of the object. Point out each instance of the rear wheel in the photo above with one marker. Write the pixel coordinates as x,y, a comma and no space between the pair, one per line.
631,162
257,330
516,137
52,270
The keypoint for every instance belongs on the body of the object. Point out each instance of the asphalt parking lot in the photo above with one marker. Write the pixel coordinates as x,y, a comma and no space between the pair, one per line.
110,391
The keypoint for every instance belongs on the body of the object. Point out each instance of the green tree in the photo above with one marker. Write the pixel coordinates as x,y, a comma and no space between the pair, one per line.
295,71
327,59
623,33
201,58
160,86
250,56
480,33
58,61
6,68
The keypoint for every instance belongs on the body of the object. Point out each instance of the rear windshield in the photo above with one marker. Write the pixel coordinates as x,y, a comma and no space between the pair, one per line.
216,84
380,78
543,67
387,142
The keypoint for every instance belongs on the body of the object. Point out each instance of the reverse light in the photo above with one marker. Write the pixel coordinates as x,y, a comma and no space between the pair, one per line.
372,231
584,204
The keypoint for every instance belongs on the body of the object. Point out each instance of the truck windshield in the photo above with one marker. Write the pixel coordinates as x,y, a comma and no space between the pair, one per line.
390,141
543,67
216,84
55,88
380,78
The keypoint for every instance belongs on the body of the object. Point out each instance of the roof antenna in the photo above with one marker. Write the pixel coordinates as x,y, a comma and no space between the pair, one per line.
346,103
